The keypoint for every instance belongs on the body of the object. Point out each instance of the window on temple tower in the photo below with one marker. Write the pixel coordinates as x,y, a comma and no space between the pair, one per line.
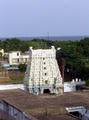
45,68
46,82
45,74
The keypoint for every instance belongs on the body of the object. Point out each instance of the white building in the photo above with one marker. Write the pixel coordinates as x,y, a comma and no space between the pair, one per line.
43,74
15,58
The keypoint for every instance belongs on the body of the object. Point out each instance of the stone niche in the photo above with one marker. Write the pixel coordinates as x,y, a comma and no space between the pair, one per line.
43,74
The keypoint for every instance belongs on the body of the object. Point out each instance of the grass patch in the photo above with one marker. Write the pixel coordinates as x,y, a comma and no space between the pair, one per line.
17,79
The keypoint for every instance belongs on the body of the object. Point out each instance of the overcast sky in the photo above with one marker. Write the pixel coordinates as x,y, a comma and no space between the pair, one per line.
21,18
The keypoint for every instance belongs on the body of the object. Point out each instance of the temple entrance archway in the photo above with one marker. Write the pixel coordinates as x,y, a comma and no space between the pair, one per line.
46,91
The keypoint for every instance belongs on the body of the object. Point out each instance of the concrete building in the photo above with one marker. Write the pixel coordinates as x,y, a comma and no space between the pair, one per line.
43,74
16,57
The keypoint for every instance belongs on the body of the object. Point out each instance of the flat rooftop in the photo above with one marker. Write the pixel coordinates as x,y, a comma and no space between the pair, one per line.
45,107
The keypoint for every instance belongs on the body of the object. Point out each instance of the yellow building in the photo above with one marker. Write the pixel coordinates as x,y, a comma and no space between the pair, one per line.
2,52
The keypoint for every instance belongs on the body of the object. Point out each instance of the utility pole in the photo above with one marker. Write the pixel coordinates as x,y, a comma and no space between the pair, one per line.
63,69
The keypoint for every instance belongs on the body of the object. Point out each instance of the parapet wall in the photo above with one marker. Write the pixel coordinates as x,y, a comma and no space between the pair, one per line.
12,86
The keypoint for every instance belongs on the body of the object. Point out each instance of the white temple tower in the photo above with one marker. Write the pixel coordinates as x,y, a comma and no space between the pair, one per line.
43,74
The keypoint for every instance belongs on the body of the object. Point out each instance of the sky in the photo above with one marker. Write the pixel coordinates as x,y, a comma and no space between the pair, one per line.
26,18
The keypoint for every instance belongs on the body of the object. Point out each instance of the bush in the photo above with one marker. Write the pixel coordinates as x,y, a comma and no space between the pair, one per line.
87,82
22,67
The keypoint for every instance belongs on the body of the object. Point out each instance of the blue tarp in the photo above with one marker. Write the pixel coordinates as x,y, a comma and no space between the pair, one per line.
6,65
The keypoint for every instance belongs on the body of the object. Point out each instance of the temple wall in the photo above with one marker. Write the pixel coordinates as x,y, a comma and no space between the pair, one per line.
12,86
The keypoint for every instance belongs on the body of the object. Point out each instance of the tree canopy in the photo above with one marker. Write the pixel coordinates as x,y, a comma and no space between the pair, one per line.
75,53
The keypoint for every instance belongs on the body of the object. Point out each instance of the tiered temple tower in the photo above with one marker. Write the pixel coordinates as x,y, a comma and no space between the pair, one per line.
43,74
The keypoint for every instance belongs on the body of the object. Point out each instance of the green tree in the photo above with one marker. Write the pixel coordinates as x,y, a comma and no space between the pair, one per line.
22,67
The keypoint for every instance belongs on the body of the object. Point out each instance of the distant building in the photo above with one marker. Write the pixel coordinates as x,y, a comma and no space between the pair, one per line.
15,58
43,74
2,53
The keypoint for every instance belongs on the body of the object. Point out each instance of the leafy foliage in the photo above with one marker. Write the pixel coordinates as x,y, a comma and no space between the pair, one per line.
87,82
75,53
22,67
